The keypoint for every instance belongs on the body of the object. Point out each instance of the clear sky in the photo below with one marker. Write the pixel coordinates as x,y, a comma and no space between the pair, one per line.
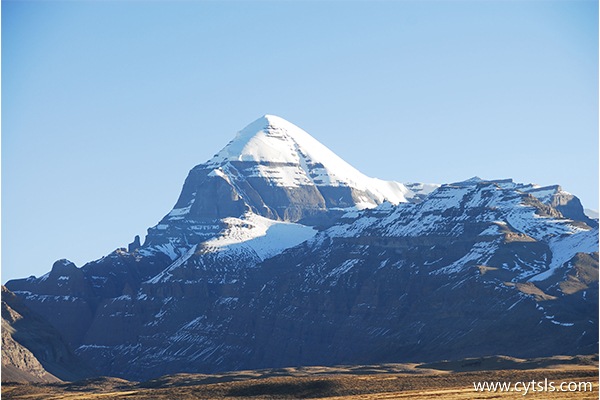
106,106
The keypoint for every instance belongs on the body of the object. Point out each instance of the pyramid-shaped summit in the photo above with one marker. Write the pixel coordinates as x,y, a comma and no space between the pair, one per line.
273,139
286,156
277,170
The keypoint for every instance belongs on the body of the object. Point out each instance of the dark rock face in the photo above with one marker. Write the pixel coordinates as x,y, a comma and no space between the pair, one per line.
380,303
473,268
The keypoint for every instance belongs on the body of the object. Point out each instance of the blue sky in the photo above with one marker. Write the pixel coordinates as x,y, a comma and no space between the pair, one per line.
107,105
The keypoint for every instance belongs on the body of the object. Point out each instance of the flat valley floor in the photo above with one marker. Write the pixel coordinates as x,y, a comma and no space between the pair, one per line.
442,380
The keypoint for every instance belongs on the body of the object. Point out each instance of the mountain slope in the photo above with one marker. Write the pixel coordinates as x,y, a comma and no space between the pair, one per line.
18,363
446,278
32,350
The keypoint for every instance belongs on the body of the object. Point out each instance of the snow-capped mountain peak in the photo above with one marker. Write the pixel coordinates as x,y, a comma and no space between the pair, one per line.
275,170
273,139
300,160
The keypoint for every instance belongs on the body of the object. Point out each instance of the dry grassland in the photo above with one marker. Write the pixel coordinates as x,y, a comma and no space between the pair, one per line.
444,380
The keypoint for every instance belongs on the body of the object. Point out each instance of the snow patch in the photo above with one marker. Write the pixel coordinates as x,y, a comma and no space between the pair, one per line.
343,268
263,236
165,274
566,247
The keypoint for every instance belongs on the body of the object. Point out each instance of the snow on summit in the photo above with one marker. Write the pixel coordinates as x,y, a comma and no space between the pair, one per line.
275,170
288,156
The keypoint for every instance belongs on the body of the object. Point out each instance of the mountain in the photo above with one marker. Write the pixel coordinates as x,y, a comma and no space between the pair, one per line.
279,253
275,170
